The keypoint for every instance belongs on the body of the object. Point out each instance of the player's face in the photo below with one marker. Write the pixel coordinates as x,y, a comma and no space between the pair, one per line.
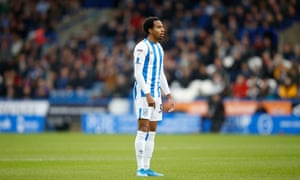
158,30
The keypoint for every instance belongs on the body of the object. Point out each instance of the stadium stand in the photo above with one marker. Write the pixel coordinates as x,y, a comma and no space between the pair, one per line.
231,47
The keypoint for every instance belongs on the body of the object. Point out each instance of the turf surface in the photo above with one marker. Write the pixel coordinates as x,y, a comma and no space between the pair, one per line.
179,157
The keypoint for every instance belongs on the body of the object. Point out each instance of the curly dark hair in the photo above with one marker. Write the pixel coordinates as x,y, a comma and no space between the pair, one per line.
148,23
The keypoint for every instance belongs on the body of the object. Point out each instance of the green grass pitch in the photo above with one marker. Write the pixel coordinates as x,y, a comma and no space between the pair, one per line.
179,157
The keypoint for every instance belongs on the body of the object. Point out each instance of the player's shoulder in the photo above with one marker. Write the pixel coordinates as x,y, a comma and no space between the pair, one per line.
141,46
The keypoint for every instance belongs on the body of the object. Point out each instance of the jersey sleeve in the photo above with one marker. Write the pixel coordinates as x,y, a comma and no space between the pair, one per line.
139,55
164,83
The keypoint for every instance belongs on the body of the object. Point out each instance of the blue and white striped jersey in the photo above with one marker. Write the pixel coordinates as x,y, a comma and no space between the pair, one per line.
148,69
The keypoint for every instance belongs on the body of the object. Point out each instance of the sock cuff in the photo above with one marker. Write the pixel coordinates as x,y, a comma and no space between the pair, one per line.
151,135
152,132
141,134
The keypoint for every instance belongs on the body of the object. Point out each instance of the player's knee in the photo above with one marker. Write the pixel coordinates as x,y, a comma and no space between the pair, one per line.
152,128
143,125
144,128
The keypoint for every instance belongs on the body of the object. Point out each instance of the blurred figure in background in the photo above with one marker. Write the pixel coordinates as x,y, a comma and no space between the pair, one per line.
240,87
288,89
216,112
260,109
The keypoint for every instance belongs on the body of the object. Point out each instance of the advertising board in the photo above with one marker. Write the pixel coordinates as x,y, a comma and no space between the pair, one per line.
23,116
110,124
21,124
262,124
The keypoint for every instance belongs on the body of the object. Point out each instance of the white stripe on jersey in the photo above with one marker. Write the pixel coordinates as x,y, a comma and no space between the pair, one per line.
152,67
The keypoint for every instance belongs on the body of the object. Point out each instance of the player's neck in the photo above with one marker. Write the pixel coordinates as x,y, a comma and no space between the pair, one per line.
152,39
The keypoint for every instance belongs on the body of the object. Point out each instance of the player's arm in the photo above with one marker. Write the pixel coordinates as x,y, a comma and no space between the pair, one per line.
139,54
164,84
165,88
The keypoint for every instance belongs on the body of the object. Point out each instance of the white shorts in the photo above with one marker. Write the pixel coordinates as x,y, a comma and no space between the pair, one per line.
143,111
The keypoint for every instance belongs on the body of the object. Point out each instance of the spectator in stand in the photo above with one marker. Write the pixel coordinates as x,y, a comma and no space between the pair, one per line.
5,52
288,89
41,89
267,66
265,90
294,73
287,52
207,30
240,87
297,54
184,78
221,77
82,81
200,73
63,81
122,87
27,91
253,87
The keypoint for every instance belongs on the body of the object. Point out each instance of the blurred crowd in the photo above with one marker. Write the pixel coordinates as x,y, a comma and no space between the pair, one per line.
229,47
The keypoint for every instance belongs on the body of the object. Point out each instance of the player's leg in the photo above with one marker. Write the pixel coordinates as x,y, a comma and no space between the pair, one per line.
143,113
150,142
149,146
140,143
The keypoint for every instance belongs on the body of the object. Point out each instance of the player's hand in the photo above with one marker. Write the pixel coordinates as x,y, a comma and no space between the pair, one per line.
171,103
150,100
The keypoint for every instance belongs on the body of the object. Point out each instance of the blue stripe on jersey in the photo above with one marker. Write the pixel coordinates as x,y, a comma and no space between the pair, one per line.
140,113
154,70
160,66
135,90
